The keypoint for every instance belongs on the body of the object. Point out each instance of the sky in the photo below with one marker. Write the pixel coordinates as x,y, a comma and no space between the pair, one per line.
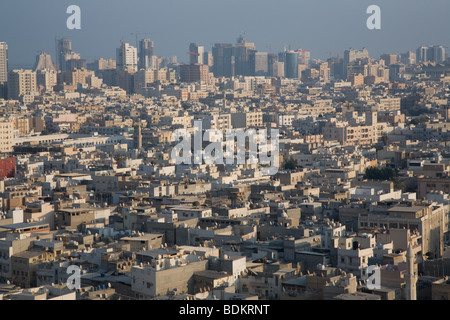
322,26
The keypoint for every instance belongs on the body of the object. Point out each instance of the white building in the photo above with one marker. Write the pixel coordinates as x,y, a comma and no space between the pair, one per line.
126,57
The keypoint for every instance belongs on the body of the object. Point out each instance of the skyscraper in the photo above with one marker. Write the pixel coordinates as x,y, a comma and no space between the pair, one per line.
422,54
126,57
222,58
260,63
291,65
64,48
3,68
197,54
438,54
433,54
43,62
208,59
304,57
146,52
3,62
242,52
408,57
271,60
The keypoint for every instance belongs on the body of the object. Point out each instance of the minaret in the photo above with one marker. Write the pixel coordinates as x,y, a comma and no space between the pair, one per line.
138,137
411,277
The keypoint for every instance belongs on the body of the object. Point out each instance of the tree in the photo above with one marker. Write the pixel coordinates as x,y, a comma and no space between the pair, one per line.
383,174
290,164
120,159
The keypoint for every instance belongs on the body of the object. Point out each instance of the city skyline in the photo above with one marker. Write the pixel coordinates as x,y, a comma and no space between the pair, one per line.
342,28
198,151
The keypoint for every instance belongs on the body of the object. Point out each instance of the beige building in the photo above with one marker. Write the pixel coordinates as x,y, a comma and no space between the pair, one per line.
194,73
357,80
24,266
20,83
22,125
167,271
428,220
6,135
77,76
349,135
247,120
440,289
46,80
427,185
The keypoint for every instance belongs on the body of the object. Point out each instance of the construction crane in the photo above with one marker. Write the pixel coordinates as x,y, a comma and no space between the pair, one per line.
195,54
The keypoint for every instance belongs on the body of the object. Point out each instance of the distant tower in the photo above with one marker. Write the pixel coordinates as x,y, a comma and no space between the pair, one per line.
3,68
44,62
411,277
126,57
3,62
146,49
64,47
138,137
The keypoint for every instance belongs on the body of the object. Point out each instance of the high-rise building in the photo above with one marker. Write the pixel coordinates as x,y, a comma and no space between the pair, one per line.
126,57
21,82
64,48
304,57
259,63
223,58
3,69
196,54
408,58
271,60
438,54
194,73
324,72
102,64
242,52
46,79
433,54
278,69
3,63
291,65
208,59
422,54
146,52
389,58
44,62
352,55
76,76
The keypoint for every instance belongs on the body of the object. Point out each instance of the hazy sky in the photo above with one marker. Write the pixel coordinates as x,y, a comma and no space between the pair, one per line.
321,26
